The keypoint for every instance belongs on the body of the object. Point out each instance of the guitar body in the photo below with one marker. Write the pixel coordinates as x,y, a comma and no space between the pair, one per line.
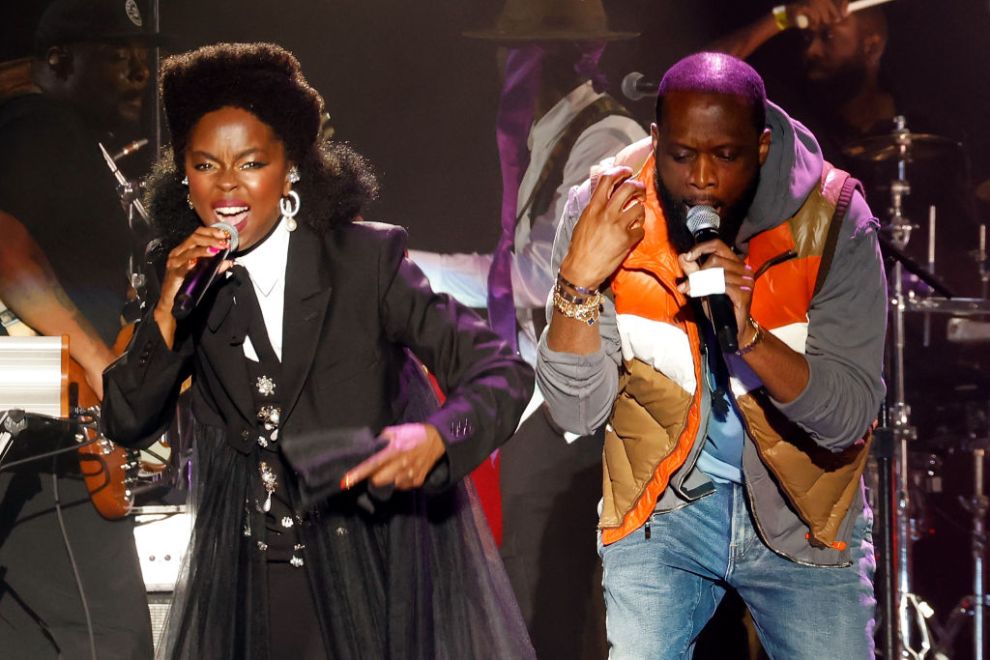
105,466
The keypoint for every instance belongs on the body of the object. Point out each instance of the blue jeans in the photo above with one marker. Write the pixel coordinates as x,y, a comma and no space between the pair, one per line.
661,591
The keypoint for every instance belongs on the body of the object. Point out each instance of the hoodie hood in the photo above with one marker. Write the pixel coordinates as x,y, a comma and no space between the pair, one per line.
792,170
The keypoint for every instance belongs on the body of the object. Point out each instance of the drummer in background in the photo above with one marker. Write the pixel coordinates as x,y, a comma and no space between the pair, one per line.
847,99
63,271
841,55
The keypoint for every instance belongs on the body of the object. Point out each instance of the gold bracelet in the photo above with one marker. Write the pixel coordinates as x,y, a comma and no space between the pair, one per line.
577,300
757,338
780,17
586,312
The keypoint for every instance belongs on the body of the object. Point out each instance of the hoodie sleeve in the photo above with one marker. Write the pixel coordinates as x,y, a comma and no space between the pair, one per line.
579,389
846,329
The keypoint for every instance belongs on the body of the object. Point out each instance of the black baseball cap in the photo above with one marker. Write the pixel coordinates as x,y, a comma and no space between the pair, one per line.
75,21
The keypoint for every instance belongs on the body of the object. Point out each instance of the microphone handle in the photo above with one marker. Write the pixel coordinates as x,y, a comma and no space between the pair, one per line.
704,235
723,314
724,321
195,284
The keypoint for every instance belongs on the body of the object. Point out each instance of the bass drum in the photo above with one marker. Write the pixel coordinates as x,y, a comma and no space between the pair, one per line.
946,367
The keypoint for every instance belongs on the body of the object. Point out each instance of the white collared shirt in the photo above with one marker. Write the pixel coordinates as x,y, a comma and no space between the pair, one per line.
266,266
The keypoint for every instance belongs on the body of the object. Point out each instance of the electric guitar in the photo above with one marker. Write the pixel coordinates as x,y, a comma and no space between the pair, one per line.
108,469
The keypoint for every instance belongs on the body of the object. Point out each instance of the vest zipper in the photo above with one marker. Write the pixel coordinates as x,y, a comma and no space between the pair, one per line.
701,437
773,261
767,265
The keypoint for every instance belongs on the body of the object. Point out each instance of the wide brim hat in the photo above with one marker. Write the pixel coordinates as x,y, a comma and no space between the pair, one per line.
526,21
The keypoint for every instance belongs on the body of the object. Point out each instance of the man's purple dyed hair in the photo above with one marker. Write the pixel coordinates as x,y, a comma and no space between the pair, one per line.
716,73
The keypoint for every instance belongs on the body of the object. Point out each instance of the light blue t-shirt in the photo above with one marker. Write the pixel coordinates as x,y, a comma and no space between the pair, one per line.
721,455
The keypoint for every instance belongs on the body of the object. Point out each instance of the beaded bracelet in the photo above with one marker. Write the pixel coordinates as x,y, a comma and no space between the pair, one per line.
586,312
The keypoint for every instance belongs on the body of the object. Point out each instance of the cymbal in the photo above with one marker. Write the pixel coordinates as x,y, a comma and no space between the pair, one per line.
890,147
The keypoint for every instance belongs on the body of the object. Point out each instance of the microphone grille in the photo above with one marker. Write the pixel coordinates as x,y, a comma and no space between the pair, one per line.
629,86
230,231
702,217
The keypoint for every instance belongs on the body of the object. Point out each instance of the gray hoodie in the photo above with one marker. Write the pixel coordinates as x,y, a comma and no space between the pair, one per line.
844,350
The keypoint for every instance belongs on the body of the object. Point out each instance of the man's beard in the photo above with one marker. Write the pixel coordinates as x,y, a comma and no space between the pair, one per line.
675,213
839,86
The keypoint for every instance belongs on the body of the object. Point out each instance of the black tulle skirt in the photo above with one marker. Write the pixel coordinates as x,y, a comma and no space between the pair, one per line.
415,577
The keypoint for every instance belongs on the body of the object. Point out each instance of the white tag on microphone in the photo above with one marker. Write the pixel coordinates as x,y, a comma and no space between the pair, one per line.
707,282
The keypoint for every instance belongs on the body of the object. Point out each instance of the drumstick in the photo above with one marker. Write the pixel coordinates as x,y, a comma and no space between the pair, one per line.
802,20
865,4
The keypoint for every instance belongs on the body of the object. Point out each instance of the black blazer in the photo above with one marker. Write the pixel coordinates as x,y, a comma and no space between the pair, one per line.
352,303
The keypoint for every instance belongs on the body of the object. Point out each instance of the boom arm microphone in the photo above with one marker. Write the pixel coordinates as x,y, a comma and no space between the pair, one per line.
703,222
635,87
199,279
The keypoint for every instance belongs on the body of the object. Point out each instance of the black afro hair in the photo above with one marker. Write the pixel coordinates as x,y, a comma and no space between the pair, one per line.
265,79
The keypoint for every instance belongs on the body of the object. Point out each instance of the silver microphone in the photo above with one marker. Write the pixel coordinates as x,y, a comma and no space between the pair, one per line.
635,87
703,223
199,279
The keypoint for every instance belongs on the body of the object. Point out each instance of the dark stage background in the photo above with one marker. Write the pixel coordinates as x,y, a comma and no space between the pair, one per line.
416,97
407,90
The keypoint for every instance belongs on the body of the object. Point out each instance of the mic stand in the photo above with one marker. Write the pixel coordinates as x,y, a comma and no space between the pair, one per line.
981,259
978,507
129,193
883,454
899,536
156,105
891,251
976,604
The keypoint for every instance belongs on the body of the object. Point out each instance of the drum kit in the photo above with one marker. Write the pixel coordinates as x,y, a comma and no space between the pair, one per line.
906,465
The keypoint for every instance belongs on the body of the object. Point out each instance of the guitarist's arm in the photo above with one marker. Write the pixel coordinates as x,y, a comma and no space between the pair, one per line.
28,287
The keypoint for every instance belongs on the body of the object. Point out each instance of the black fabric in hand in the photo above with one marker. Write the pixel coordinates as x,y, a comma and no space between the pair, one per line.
322,459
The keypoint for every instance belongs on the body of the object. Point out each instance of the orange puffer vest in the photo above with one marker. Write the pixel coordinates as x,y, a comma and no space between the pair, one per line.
657,416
